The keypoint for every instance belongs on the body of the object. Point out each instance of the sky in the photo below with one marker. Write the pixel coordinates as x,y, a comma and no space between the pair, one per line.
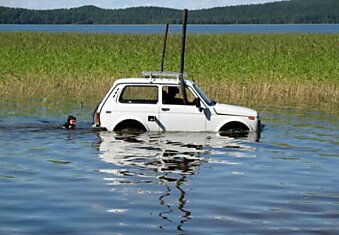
115,4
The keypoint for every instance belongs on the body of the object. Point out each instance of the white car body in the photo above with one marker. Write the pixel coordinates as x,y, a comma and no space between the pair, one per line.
153,114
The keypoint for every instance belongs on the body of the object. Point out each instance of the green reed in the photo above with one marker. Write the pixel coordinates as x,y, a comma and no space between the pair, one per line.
239,68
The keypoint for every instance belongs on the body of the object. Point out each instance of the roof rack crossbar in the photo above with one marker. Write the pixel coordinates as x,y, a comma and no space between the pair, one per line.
156,74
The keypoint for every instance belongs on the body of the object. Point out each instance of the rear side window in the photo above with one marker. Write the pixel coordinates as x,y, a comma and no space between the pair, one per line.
139,95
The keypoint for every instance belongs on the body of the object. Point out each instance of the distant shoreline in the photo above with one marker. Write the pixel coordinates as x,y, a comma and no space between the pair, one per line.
289,12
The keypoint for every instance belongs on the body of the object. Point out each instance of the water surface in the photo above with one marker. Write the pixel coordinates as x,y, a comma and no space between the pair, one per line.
196,29
56,181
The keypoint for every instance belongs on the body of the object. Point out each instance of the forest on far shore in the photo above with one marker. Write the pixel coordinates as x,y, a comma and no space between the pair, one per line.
282,12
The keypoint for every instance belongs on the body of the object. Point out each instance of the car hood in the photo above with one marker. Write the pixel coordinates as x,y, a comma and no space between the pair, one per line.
226,109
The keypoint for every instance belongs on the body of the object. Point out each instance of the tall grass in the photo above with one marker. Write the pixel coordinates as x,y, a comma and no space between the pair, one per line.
251,69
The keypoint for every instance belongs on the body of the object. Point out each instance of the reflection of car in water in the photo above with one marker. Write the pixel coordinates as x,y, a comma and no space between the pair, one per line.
153,151
172,151
156,103
167,159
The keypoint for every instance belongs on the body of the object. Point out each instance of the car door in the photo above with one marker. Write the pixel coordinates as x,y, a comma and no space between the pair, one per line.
175,116
137,102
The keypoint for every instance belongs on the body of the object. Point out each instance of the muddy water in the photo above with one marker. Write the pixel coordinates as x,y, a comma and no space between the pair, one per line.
54,181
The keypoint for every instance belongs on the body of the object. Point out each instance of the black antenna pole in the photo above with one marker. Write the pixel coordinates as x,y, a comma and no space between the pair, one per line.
164,49
182,55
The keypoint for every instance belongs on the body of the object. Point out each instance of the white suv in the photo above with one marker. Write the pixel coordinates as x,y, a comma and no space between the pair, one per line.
156,103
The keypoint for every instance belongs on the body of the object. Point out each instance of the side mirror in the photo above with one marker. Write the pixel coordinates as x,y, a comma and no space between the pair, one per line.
198,104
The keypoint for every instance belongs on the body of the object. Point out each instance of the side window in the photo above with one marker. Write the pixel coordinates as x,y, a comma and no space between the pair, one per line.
139,95
173,95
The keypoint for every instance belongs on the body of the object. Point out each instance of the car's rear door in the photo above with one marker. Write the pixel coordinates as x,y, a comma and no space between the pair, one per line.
136,102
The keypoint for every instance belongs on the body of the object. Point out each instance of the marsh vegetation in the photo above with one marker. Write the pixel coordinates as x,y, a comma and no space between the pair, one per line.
246,69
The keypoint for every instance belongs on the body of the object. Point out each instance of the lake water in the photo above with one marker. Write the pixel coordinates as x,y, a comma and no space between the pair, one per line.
197,29
56,181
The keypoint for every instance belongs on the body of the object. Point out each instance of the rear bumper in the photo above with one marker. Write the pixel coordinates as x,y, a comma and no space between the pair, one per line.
259,126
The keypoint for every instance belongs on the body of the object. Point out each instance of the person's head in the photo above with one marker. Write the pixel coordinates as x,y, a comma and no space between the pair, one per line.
172,91
72,121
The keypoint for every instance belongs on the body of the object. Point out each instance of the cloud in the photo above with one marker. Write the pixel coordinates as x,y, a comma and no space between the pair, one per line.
111,4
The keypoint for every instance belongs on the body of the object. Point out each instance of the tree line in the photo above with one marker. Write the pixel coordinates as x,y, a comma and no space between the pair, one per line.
283,12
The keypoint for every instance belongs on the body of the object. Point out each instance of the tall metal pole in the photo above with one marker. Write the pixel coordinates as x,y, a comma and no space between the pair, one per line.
182,55
164,49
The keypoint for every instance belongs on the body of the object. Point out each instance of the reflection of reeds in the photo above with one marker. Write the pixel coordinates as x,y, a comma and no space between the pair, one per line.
289,69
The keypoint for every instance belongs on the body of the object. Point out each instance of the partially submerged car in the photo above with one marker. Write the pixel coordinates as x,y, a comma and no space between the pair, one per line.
160,102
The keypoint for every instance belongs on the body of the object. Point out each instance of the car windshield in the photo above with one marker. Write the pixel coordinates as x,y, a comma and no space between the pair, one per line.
203,95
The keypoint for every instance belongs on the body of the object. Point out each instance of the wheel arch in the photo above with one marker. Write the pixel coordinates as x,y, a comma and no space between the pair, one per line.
130,124
234,125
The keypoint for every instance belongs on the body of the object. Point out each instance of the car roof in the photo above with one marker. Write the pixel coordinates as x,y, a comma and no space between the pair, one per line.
147,81
159,78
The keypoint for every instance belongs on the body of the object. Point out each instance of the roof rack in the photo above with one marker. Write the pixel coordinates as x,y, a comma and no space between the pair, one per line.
156,74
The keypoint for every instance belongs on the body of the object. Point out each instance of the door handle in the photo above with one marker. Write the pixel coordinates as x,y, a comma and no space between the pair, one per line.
165,109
